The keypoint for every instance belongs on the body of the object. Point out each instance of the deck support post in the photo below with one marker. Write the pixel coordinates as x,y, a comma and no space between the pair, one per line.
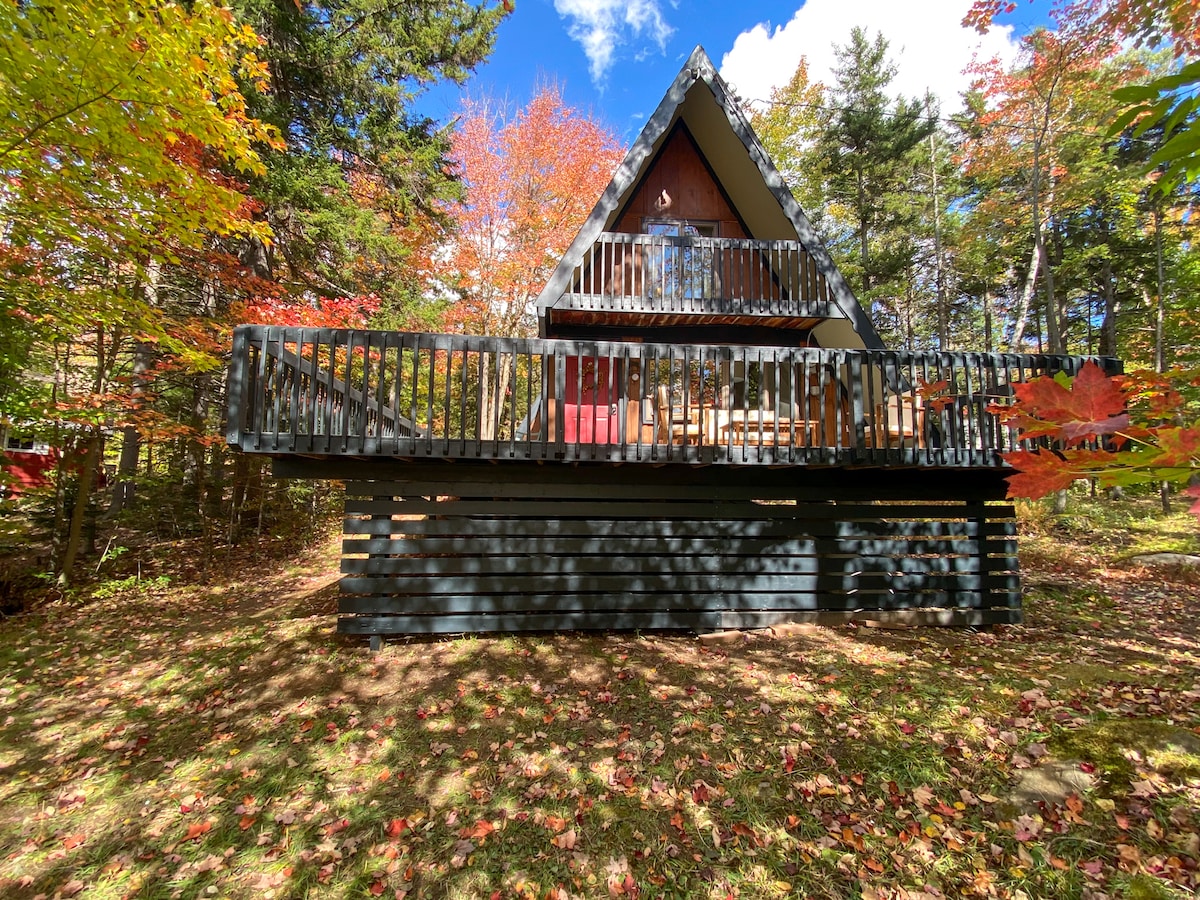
376,643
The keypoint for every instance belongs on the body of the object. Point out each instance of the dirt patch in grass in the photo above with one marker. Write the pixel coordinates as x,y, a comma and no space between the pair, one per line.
219,739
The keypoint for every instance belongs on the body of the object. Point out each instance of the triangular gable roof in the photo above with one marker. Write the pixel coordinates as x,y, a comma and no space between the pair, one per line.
764,202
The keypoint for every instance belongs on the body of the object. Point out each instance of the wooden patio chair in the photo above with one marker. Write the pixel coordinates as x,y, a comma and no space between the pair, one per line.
899,421
716,419
671,430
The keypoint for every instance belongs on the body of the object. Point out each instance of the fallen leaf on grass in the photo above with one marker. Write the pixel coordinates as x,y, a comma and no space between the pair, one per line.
922,795
478,831
196,829
397,827
1143,789
746,831
462,849
1027,828
564,841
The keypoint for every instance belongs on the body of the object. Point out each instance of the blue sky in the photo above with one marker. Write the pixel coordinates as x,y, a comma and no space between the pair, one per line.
616,58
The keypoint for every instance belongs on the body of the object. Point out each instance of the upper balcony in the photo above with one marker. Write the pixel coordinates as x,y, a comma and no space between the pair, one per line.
673,278
330,393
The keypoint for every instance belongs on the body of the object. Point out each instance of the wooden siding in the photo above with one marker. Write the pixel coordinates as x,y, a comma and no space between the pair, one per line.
477,550
681,171
370,394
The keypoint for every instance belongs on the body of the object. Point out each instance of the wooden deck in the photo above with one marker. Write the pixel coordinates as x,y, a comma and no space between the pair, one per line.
326,393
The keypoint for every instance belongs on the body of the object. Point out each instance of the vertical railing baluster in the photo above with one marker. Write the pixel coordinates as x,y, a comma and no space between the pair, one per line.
559,362
325,389
257,397
429,361
413,344
347,377
972,410
361,426
873,394
396,399
238,387
294,400
920,444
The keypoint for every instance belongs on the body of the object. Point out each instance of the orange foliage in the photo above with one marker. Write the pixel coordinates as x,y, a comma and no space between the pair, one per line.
531,181
1146,21
326,312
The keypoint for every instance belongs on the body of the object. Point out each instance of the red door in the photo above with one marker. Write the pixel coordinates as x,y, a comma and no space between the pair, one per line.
590,409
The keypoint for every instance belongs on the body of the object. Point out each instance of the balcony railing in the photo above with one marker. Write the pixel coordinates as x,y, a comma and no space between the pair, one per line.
325,392
700,275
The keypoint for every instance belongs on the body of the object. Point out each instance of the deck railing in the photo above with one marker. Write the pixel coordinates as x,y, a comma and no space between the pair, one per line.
328,392
689,274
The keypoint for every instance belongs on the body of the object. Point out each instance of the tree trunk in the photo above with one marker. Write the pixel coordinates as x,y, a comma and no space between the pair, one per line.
195,441
131,442
82,495
1060,502
862,231
988,344
1108,324
237,502
123,488
1054,340
214,492
1027,290
943,308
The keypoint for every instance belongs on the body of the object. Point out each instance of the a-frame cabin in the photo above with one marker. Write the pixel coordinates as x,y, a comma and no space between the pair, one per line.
707,434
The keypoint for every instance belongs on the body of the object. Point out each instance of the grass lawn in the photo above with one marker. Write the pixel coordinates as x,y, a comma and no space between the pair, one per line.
216,738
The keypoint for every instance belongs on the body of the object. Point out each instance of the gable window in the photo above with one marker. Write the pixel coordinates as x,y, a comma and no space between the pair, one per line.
681,266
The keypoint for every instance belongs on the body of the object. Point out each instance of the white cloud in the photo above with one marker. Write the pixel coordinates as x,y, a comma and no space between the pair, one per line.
927,43
600,26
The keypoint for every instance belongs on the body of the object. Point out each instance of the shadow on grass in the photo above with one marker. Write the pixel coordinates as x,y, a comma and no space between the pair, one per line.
228,743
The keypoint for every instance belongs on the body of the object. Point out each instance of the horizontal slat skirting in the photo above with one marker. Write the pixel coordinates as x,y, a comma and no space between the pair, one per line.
441,557
467,527
455,604
762,488
606,620
671,584
699,564
534,479
649,545
684,509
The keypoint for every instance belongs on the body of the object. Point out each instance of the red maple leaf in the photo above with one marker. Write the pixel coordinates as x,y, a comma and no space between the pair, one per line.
1091,405
1038,474
479,830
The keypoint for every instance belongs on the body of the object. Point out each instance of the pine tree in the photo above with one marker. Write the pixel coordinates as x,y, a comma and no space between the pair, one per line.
360,164
866,146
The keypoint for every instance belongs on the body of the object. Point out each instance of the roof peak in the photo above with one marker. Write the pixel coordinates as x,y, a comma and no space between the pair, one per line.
742,157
